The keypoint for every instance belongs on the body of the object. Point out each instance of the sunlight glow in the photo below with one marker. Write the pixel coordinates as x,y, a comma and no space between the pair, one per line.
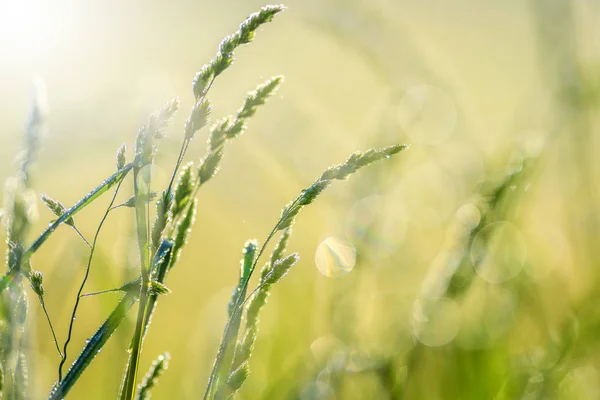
26,27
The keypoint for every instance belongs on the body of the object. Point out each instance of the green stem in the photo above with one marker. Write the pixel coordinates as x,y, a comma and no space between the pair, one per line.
186,141
228,333
127,392
83,282
129,381
93,346
160,265
50,324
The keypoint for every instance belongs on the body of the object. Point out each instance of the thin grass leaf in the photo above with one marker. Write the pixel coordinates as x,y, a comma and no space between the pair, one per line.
126,287
146,198
88,266
93,346
80,205
114,179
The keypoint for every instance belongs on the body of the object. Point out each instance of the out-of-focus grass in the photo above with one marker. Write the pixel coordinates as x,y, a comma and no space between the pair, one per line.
470,84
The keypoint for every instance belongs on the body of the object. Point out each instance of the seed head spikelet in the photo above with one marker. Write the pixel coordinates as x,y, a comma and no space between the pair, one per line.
280,269
183,229
160,365
35,279
233,126
225,55
249,253
183,191
121,156
258,97
56,207
163,205
159,288
198,118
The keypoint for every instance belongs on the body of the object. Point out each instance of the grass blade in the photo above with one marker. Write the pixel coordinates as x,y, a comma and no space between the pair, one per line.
94,345
80,205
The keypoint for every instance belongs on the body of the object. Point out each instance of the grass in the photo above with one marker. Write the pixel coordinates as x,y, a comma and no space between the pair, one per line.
159,242
468,265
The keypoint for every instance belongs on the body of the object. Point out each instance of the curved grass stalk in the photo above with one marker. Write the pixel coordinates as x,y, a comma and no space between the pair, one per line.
289,213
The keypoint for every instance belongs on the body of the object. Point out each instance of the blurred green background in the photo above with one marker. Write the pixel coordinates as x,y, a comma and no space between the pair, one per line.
472,85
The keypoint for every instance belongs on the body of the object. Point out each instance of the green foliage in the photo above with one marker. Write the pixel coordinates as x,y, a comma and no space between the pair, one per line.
160,246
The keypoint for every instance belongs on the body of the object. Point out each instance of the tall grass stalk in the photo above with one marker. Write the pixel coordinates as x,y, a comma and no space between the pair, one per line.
159,242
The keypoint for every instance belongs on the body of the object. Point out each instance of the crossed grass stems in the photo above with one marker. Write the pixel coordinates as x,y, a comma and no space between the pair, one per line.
161,242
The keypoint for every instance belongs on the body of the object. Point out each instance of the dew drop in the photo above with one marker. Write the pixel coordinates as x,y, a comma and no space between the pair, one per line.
335,257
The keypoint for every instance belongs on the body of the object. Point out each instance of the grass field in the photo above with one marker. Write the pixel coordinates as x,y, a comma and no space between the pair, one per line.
464,267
